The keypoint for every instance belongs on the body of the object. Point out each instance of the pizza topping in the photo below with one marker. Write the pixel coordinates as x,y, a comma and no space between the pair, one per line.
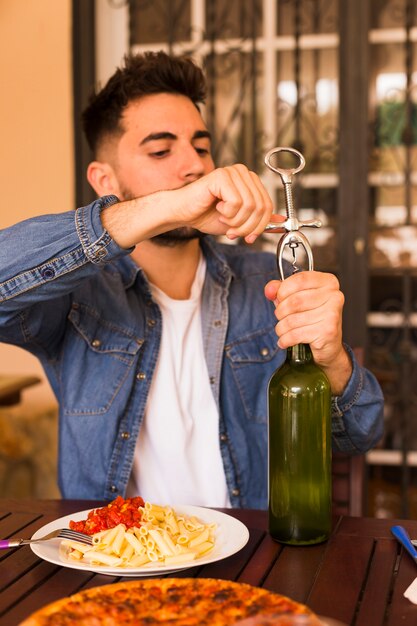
168,602
223,595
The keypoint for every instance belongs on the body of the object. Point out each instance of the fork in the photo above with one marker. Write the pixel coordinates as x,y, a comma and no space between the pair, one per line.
63,533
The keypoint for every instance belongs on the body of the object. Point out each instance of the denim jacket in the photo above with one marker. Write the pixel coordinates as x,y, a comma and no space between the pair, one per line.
72,297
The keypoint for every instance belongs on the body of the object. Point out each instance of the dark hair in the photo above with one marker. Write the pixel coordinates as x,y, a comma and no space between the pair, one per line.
141,75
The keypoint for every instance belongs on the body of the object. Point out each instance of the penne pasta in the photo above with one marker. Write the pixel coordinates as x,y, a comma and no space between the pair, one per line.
200,538
172,523
105,536
139,560
75,545
168,540
160,542
203,548
116,544
135,543
180,558
164,537
127,552
100,558
152,556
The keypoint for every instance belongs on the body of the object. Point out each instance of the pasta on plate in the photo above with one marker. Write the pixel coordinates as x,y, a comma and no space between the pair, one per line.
164,537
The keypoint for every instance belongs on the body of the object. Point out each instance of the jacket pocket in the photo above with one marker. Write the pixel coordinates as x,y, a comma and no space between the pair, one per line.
252,360
98,357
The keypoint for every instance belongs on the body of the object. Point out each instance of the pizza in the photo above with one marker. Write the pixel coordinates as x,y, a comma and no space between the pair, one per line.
170,601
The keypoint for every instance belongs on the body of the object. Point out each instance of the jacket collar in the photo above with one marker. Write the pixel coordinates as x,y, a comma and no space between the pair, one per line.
217,265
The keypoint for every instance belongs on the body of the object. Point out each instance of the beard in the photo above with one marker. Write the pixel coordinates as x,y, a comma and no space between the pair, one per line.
172,238
177,236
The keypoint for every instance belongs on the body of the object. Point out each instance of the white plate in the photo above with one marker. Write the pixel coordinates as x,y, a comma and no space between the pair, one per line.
230,537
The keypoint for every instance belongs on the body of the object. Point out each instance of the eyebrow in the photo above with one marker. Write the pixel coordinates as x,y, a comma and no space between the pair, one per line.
199,134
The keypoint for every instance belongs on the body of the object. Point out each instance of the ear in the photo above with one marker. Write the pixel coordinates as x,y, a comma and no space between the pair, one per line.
102,178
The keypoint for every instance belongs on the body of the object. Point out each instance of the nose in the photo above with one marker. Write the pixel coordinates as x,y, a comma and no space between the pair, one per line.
193,165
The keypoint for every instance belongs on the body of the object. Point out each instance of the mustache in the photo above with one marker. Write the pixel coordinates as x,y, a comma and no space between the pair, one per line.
177,236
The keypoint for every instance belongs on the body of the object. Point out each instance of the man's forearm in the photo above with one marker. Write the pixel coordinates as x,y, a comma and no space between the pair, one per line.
229,201
130,222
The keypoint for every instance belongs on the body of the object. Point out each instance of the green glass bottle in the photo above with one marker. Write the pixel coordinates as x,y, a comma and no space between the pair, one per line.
299,405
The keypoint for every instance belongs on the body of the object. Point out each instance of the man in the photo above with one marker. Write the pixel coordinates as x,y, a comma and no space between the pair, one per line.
158,341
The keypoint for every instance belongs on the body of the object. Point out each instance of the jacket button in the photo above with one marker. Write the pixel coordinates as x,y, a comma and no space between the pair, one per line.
47,273
125,435
264,351
151,322
96,343
236,492
141,376
223,437
113,488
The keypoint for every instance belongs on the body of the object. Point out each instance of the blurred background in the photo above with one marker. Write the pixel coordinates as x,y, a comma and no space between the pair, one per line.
335,79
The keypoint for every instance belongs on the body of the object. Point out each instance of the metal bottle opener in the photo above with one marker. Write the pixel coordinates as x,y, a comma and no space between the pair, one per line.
293,237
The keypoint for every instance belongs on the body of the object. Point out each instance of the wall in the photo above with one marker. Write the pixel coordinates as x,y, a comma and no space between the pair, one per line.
36,150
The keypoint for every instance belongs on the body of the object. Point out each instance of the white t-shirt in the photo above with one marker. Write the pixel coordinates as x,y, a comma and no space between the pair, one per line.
177,457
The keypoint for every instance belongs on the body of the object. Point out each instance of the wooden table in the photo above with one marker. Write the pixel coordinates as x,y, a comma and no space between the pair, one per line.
11,388
358,576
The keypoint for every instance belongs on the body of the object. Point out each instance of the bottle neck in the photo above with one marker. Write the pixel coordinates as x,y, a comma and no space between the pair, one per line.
301,353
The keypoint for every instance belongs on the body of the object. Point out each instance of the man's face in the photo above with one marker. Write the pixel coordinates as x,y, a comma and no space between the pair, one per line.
165,145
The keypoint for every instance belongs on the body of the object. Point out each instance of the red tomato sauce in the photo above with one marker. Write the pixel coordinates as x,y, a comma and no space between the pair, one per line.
119,511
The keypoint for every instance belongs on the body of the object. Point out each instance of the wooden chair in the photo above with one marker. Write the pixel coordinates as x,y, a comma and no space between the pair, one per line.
11,388
348,473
